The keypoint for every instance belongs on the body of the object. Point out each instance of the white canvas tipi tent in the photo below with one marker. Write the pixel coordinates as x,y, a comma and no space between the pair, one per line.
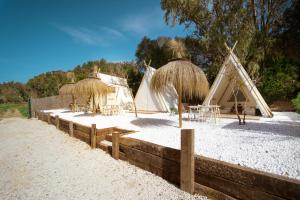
121,94
248,96
148,101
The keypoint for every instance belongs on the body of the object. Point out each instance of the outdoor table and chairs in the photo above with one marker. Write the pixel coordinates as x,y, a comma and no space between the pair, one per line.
204,113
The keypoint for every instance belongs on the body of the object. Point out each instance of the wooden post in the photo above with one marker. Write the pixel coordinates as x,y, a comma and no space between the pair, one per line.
37,114
71,129
93,136
187,161
115,145
49,118
57,121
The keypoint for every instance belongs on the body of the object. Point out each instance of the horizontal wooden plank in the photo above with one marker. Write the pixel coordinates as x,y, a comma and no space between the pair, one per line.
168,169
64,129
232,188
211,193
63,122
82,128
266,182
81,134
158,150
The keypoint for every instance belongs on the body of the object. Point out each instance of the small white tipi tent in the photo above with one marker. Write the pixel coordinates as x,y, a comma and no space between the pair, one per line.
121,95
148,101
221,91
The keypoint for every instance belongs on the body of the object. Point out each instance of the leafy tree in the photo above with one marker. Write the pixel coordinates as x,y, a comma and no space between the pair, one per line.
47,84
252,23
13,92
152,50
289,38
280,80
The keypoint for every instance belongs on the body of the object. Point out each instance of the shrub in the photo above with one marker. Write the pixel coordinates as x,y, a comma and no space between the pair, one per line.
296,103
280,80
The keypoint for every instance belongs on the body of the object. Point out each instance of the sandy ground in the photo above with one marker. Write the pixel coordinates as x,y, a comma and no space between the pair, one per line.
268,144
37,161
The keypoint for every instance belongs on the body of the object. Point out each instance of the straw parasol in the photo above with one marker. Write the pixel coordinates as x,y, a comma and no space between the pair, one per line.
92,87
188,79
67,89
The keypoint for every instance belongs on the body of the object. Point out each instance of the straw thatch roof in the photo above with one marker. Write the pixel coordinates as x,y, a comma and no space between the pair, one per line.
92,86
188,79
67,89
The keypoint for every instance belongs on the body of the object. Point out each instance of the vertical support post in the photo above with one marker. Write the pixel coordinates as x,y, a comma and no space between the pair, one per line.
48,118
187,161
57,121
29,108
115,145
93,136
38,115
71,129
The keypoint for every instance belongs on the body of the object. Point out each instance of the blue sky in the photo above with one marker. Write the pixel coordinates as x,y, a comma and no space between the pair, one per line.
44,35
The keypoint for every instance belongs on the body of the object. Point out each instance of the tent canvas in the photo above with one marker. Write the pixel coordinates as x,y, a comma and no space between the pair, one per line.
221,91
147,100
121,95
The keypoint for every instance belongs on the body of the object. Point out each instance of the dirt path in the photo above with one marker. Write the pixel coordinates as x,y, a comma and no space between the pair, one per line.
39,162
11,113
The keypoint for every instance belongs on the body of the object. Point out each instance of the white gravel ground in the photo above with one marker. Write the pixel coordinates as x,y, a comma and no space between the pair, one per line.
268,144
39,162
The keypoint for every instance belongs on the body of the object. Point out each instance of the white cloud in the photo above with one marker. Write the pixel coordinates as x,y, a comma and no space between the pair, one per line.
101,35
142,23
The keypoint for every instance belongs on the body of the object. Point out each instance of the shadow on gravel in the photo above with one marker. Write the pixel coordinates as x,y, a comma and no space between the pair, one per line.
148,122
286,129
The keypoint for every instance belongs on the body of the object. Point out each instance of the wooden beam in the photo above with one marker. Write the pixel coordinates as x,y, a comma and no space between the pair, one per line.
115,145
57,121
187,161
49,118
93,136
71,129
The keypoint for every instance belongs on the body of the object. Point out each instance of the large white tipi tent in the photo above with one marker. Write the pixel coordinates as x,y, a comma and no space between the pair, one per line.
248,96
147,100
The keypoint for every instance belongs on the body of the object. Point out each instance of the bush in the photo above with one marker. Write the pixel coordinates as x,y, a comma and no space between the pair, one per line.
280,80
296,103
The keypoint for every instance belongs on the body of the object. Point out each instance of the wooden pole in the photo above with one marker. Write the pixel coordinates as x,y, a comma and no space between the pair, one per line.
115,145
93,136
134,106
187,161
71,129
180,110
57,121
48,118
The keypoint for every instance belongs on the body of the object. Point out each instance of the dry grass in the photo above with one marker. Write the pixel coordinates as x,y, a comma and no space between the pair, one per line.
92,86
188,79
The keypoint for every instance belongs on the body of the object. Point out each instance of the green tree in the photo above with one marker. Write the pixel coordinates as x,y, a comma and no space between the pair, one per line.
151,50
252,23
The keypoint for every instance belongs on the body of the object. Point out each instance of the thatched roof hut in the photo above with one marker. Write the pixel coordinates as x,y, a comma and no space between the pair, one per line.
67,89
92,86
187,79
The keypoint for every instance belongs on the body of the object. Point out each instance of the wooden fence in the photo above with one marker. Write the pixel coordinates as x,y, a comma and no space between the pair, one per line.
54,102
233,180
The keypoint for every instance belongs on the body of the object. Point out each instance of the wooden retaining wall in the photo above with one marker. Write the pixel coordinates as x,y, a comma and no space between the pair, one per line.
234,180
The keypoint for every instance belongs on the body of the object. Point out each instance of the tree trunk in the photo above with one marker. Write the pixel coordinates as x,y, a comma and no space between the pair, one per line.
236,108
180,110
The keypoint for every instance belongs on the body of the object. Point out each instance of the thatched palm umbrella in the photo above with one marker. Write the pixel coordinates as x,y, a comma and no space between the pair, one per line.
92,87
68,89
187,79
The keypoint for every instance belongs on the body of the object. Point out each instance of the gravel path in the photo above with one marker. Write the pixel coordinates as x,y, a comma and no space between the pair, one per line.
39,162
